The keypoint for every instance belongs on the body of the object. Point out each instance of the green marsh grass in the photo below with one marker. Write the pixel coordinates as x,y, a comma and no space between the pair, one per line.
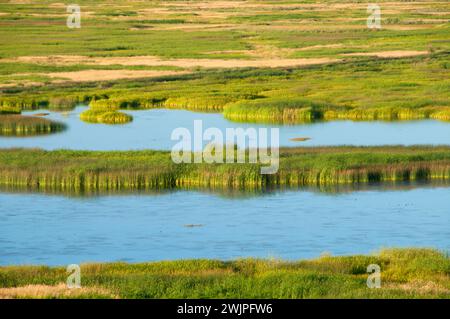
146,170
105,116
292,111
20,125
406,273
370,89
9,110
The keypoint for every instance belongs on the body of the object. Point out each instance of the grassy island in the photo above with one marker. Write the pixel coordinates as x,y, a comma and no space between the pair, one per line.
139,170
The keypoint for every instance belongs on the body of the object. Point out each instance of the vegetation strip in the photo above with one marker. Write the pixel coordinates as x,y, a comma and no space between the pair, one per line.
64,170
20,125
405,273
373,89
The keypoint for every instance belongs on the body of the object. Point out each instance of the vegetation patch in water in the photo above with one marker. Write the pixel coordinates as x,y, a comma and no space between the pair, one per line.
144,170
105,116
9,110
406,273
295,110
20,125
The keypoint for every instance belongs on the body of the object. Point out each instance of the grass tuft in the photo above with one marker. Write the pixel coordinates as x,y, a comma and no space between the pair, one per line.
20,125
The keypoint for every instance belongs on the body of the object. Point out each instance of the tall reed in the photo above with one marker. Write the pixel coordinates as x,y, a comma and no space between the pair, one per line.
95,115
297,110
19,125
141,170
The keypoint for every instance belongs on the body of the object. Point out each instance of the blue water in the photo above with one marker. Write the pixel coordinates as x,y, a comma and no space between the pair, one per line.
151,129
58,230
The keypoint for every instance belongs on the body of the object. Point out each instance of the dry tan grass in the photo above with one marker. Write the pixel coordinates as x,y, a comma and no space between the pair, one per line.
20,2
108,75
399,27
57,5
324,46
57,291
305,27
420,287
51,59
191,27
22,83
155,61
389,54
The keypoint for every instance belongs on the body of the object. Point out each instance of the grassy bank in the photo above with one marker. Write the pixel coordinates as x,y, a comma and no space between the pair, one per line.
405,273
140,170
297,110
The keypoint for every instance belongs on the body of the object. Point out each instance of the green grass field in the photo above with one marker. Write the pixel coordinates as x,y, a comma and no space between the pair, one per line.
255,74
405,273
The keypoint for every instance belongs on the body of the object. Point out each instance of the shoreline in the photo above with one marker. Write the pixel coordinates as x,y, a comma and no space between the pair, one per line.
405,273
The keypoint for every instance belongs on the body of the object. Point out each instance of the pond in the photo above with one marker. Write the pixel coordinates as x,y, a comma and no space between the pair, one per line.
151,129
59,230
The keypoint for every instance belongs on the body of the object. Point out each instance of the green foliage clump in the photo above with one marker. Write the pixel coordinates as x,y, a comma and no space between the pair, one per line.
10,110
275,109
105,116
19,125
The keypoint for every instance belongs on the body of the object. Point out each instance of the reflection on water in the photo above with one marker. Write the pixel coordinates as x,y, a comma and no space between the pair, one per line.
42,229
151,129
234,193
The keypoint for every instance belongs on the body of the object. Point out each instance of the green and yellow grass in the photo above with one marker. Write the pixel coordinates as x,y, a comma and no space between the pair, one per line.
78,171
21,125
405,273
105,116
257,61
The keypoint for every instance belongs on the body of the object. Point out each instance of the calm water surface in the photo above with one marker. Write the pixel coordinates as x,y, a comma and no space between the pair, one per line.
58,230
151,129
51,229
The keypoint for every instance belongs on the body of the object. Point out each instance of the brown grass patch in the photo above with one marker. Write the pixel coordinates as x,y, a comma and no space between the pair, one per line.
191,27
56,291
321,46
389,54
398,27
305,27
22,83
51,59
420,287
154,61
108,75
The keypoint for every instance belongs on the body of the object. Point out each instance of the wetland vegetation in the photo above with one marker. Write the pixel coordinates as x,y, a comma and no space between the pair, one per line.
407,273
140,170
284,62
21,125
105,116
274,65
